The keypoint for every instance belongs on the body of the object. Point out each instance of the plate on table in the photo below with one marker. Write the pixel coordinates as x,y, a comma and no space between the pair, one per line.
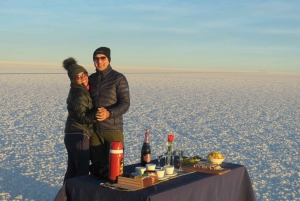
172,175
163,178
134,174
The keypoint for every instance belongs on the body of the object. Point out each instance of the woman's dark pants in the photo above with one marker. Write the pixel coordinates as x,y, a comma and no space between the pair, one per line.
77,146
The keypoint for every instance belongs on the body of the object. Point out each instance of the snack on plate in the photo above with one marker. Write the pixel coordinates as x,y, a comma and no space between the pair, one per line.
205,165
139,177
191,160
197,157
215,155
153,175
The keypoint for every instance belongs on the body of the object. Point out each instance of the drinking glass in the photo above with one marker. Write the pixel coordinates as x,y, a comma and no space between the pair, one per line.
180,149
176,153
165,151
159,151
173,153
170,143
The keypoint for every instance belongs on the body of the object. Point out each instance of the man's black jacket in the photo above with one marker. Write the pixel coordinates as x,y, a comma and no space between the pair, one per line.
109,89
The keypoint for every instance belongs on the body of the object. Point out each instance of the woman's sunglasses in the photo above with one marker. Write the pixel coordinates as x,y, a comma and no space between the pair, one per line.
78,77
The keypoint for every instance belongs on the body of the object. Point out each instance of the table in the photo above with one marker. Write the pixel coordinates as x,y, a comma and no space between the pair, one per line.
233,186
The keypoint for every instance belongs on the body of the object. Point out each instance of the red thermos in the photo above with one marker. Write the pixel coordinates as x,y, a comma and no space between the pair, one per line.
116,164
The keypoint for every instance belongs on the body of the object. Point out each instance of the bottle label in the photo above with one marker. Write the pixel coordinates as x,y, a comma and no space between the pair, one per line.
147,158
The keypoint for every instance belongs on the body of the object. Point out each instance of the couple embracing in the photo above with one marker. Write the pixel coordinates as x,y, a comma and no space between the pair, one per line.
96,105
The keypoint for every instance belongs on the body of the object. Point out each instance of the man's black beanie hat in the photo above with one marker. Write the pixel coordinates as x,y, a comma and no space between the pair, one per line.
102,50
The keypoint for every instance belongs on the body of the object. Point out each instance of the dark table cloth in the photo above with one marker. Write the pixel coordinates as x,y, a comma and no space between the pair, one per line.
233,186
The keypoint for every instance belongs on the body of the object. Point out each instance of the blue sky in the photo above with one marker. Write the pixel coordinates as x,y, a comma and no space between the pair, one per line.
233,35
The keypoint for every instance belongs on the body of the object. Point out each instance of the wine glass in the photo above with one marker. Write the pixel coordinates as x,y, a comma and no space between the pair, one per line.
165,151
159,151
180,149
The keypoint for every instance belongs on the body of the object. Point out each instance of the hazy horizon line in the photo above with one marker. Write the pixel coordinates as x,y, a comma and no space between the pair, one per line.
139,69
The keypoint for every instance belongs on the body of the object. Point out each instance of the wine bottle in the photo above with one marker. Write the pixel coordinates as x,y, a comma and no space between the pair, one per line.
146,150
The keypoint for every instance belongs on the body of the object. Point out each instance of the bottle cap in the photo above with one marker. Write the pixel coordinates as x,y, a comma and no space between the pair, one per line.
116,147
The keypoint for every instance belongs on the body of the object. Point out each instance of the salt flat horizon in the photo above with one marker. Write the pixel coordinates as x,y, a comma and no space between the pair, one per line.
39,67
253,118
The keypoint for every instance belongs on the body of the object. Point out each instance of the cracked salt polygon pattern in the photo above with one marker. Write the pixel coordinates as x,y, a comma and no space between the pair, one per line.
251,117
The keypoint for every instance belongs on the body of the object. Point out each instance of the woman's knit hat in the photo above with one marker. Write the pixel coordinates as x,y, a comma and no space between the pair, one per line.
73,68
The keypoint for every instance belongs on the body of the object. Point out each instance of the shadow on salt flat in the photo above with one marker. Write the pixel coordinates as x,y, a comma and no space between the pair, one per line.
25,187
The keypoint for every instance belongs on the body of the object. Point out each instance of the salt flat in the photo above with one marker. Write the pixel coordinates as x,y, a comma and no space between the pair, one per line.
251,117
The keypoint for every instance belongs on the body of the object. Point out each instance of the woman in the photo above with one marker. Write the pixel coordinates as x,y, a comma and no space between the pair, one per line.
79,124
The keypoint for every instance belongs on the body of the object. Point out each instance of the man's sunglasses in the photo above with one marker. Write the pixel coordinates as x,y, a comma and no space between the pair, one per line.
99,58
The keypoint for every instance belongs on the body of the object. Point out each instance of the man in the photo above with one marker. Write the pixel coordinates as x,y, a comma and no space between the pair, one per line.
109,91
